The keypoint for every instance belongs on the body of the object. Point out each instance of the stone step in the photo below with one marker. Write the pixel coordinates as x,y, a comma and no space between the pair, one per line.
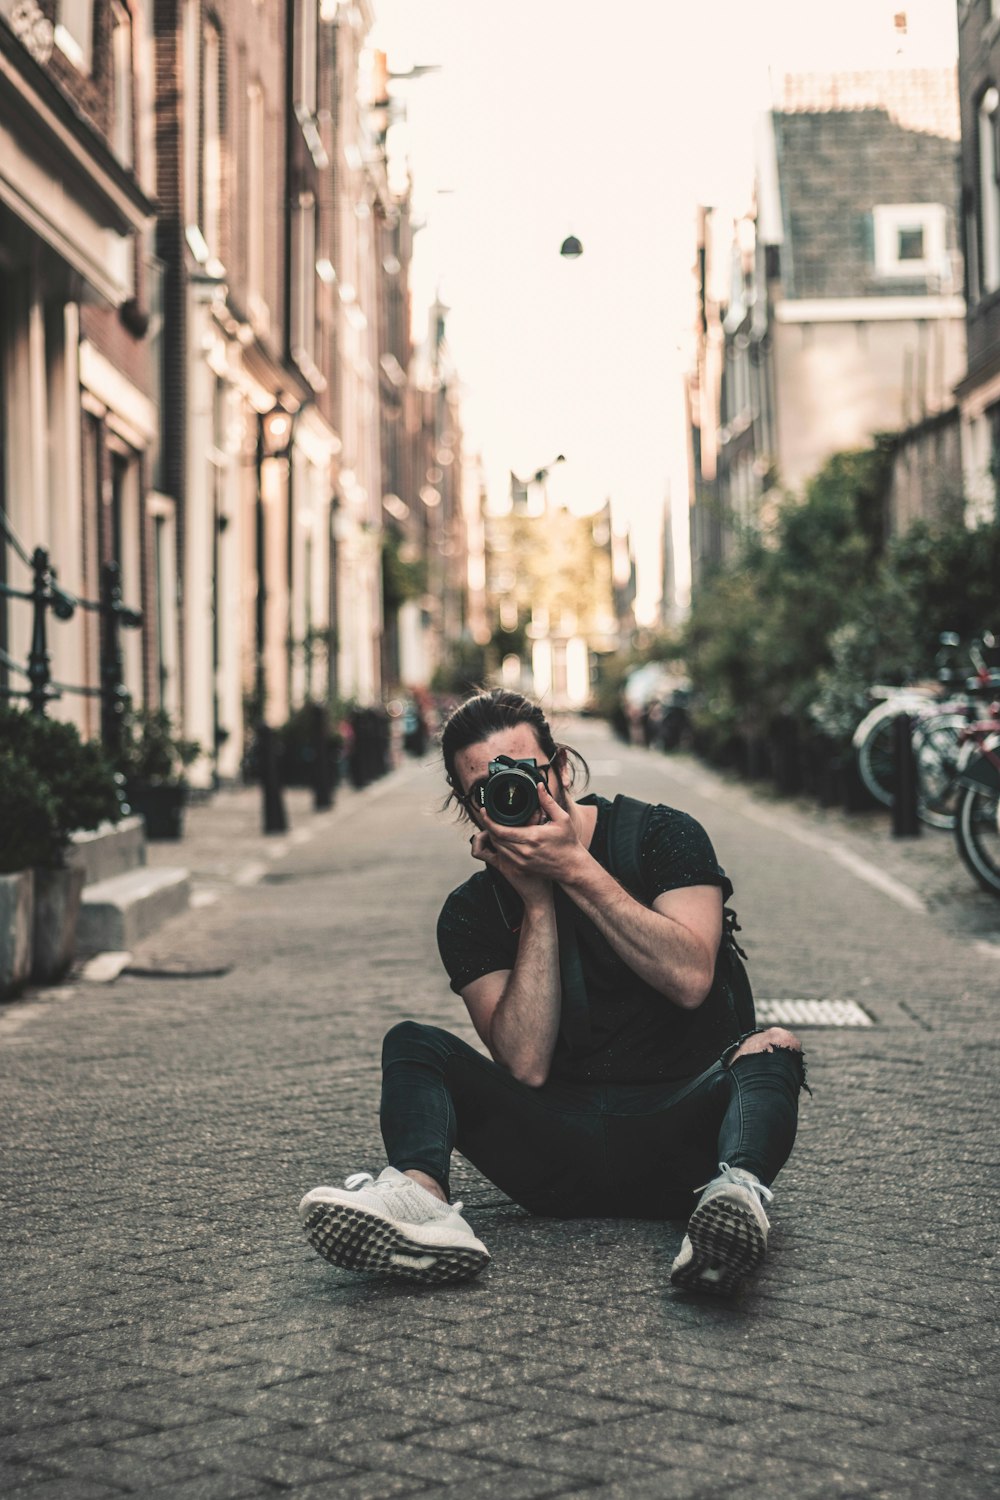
116,913
109,850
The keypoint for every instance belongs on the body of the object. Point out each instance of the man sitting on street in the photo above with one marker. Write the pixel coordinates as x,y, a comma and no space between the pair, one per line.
632,1095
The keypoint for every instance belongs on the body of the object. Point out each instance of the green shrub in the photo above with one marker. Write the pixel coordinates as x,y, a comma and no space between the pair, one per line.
29,822
152,754
79,778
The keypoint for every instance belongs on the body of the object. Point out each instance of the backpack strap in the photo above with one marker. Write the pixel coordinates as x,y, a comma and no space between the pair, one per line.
628,822
625,833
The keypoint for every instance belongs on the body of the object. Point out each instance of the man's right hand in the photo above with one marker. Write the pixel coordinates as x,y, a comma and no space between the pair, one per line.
534,890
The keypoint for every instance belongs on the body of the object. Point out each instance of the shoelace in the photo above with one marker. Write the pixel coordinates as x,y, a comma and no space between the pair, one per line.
728,1174
365,1179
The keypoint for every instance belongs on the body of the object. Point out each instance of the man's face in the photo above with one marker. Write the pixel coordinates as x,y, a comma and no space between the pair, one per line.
520,743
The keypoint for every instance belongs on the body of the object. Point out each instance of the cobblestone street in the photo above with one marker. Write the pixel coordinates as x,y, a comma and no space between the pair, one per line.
168,1331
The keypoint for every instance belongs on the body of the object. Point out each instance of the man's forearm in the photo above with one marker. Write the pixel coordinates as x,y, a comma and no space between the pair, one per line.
663,952
525,1024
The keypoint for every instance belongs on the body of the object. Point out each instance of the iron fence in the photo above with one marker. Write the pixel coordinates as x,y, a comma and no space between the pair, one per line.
47,596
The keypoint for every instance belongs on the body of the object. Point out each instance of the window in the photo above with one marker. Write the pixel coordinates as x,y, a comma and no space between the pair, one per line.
74,31
122,121
910,243
257,305
910,240
304,273
211,138
989,193
190,94
304,81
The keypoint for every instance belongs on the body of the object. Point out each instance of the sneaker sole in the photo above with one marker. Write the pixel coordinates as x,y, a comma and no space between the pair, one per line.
360,1241
727,1245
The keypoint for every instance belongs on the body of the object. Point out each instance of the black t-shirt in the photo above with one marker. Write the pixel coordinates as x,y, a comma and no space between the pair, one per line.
636,1035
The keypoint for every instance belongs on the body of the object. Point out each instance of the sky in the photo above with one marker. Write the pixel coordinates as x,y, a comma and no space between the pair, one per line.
611,121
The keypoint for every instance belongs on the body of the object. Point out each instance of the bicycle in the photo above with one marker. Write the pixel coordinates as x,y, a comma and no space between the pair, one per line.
977,821
937,728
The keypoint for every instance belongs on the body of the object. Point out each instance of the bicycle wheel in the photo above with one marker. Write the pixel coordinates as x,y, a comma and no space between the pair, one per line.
936,746
874,741
977,833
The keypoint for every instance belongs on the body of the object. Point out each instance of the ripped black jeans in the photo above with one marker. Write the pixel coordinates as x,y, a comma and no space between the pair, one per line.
584,1150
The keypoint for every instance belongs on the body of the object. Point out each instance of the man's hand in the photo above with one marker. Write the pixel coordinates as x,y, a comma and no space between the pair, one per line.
545,850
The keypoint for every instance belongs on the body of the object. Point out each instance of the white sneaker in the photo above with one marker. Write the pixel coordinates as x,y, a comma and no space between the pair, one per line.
726,1235
393,1226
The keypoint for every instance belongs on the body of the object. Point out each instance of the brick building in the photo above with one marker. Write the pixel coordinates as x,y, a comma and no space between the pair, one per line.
79,441
840,316
979,390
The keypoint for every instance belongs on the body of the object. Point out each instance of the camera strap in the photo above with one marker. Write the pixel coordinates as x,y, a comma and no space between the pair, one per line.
574,1020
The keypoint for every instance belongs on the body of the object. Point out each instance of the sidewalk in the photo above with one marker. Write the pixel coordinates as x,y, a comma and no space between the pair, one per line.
169,1333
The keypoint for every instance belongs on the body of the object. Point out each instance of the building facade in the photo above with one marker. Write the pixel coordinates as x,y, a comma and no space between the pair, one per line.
842,316
79,288
207,365
979,390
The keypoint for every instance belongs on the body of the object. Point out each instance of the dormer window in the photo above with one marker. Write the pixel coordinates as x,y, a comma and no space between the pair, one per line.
910,240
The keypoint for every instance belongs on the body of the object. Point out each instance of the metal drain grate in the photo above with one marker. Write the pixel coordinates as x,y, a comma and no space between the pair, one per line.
811,1013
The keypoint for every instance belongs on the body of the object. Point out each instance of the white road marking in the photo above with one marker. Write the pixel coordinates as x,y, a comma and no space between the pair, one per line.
862,868
812,1013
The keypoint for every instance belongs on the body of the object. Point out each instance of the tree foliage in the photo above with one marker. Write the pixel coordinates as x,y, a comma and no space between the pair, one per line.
806,617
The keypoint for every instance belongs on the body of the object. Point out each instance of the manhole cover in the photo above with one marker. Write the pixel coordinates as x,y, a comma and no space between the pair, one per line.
811,1013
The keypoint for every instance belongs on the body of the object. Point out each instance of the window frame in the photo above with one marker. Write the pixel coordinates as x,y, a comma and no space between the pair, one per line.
890,220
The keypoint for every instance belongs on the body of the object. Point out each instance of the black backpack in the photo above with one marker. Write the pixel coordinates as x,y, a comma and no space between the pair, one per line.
625,833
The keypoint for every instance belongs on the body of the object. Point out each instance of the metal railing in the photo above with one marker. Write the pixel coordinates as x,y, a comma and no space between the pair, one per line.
45,595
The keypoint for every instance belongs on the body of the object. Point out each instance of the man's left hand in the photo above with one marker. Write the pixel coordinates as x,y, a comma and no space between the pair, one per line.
548,847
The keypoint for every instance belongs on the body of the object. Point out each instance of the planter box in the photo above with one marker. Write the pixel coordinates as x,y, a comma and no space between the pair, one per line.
17,906
161,809
57,912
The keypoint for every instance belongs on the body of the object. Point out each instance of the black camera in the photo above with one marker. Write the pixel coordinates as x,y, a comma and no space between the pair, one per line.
510,793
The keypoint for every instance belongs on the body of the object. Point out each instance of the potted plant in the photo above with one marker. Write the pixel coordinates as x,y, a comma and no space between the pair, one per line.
27,825
154,760
310,748
54,785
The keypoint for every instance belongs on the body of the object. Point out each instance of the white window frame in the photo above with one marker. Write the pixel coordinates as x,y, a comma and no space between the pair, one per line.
890,220
123,68
988,192
74,33
304,81
256,169
211,137
304,274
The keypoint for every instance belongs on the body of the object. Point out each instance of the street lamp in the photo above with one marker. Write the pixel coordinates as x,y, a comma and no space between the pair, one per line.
571,248
519,487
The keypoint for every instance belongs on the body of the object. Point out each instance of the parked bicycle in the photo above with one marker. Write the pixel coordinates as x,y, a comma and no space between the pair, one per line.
977,820
939,717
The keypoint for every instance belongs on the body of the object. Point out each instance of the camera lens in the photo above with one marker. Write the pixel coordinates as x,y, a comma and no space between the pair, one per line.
510,798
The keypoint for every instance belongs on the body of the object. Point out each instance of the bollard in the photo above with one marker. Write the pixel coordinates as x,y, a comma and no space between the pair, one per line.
322,779
275,819
39,675
905,822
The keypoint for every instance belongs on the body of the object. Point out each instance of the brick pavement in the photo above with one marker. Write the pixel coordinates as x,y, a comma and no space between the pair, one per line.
168,1332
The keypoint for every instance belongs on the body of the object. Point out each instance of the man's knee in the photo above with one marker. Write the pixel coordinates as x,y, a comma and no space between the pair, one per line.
767,1041
402,1040
412,1040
